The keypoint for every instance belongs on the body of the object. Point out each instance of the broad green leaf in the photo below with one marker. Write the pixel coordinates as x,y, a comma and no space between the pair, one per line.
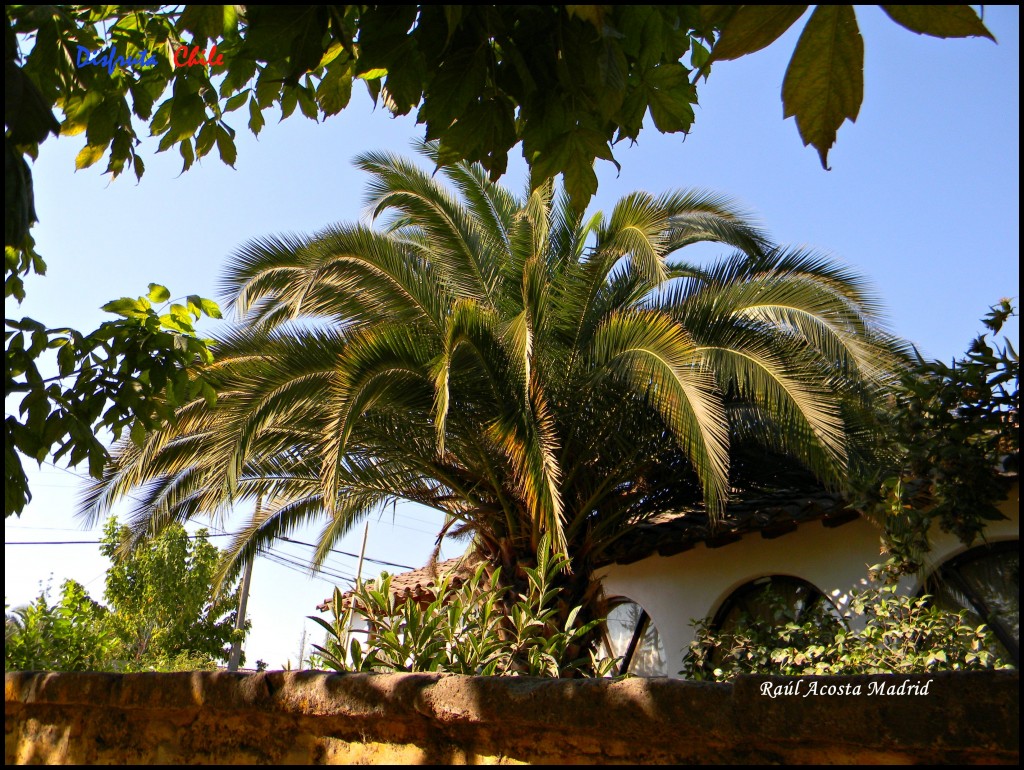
671,97
66,360
102,122
307,105
374,74
256,121
88,155
226,146
126,306
77,110
180,312
753,27
171,322
206,22
939,20
158,293
236,101
138,434
138,166
208,393
187,155
335,88
205,140
824,83
210,307
188,113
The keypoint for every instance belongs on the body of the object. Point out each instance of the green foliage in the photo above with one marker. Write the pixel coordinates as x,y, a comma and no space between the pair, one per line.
954,431
824,82
566,81
132,373
162,602
162,616
72,635
479,628
891,634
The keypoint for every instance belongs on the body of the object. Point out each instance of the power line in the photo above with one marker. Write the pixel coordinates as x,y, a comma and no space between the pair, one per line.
347,553
296,566
90,542
219,534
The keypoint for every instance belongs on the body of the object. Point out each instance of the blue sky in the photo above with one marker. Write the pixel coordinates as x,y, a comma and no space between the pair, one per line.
922,199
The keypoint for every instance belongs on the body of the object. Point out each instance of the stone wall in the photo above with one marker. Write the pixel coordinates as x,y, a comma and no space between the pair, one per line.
307,717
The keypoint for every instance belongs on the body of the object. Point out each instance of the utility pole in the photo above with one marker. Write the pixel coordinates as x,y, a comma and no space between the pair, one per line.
359,577
243,599
236,646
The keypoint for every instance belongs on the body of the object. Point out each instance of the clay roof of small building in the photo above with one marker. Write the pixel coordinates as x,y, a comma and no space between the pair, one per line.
418,583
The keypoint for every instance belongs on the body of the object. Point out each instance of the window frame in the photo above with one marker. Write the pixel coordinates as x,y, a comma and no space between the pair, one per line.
949,572
641,628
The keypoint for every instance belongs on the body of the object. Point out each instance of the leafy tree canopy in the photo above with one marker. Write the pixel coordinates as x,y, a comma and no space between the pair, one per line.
161,614
129,374
954,435
162,599
566,81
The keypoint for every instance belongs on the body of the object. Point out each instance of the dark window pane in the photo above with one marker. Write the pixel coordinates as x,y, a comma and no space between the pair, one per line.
985,581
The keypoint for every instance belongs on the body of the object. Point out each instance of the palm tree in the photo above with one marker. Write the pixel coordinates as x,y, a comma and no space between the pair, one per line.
516,366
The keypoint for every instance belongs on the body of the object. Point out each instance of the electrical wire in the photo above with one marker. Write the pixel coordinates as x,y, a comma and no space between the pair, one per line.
221,533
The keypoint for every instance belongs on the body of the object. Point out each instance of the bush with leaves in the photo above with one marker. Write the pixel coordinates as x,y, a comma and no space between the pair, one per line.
479,628
162,614
899,635
72,635
954,434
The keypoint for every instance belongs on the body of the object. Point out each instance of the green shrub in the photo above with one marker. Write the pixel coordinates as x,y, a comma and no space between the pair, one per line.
479,628
898,634
71,635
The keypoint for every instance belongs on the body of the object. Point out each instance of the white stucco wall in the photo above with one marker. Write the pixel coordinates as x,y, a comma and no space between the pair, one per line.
693,584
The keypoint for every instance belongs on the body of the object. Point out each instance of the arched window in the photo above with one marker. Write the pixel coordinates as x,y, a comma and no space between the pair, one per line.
775,600
985,581
632,636
756,610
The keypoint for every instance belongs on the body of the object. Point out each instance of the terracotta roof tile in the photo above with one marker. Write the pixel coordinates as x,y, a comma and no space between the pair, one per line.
418,583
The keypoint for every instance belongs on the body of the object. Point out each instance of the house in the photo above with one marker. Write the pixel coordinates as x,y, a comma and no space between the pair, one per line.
674,568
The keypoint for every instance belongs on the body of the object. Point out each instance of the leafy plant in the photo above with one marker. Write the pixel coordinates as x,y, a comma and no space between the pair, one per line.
130,374
479,628
162,615
883,632
162,600
567,81
72,635
953,430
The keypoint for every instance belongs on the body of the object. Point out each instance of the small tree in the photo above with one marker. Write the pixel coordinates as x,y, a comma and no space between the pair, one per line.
162,613
954,432
162,599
